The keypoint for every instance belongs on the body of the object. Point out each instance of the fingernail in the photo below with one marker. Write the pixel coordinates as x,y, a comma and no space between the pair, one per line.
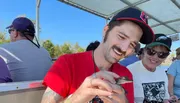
110,96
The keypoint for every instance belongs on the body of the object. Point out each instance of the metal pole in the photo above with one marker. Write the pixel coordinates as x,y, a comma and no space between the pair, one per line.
106,21
37,18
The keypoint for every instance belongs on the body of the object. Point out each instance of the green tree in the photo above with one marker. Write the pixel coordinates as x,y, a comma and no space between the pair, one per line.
57,51
77,48
66,48
3,38
49,46
173,54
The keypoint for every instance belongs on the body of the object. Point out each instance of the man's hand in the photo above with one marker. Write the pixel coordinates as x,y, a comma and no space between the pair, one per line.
102,84
173,99
91,87
118,95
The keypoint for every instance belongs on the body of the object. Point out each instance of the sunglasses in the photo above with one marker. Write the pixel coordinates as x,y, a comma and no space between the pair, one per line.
10,30
152,52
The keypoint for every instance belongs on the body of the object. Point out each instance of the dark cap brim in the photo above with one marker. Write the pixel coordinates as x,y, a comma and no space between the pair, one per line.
9,27
148,34
158,43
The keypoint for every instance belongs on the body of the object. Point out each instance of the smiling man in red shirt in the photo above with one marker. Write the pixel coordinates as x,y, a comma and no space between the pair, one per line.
78,78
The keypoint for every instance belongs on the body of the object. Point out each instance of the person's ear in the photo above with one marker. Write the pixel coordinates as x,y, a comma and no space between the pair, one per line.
16,34
105,30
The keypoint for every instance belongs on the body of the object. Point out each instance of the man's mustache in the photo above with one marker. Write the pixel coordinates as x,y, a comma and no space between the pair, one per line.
119,50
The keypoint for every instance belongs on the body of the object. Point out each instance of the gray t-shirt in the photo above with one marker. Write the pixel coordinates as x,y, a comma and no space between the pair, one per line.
25,61
174,70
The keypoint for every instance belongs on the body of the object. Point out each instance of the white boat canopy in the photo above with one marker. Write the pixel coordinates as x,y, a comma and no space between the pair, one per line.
163,15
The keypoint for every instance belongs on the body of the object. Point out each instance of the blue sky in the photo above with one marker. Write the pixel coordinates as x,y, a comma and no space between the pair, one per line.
59,22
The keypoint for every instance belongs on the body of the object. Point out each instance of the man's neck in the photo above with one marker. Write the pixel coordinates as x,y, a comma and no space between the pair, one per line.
100,60
21,38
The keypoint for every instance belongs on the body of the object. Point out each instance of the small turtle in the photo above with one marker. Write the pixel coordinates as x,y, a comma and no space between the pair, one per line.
123,80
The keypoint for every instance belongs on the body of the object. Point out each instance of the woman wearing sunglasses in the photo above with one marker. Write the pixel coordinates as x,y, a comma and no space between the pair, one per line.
150,80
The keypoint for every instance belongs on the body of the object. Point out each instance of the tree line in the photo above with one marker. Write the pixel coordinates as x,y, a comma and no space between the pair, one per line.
57,50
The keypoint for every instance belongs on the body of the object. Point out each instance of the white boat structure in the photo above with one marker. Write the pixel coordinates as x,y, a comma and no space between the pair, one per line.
21,92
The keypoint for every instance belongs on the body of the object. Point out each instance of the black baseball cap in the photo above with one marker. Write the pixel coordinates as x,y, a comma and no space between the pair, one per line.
23,24
161,39
138,17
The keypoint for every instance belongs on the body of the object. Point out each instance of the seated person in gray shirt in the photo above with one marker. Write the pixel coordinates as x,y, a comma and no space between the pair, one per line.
26,60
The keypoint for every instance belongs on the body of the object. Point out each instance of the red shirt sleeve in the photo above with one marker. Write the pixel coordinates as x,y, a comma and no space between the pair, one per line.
129,88
58,77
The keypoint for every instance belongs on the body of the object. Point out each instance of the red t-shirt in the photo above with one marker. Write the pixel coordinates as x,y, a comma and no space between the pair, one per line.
70,70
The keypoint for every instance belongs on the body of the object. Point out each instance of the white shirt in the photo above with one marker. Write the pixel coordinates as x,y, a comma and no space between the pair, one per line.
150,85
25,61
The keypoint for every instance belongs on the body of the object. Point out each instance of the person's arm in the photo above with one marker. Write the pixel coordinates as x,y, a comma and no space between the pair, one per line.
173,98
51,97
172,71
170,84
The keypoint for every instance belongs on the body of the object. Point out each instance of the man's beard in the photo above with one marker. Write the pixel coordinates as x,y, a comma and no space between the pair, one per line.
110,59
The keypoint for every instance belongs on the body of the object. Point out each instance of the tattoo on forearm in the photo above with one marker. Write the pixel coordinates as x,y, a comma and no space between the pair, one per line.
51,97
